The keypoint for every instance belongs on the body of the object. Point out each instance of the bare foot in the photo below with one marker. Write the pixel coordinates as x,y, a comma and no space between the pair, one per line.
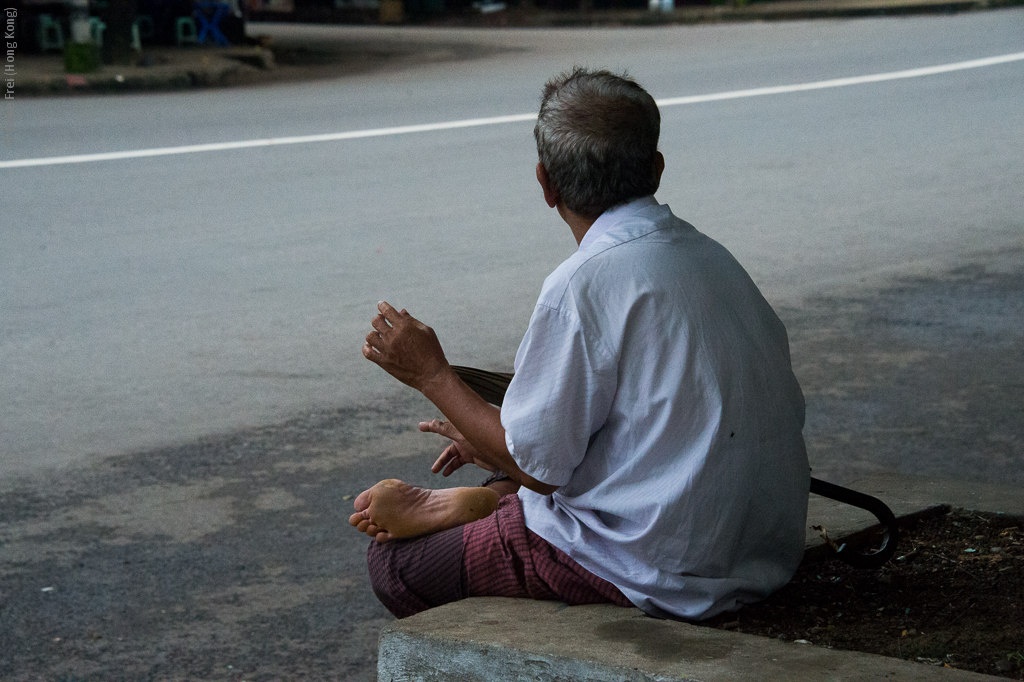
393,509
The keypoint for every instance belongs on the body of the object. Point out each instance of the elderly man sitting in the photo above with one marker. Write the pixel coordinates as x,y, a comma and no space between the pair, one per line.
648,450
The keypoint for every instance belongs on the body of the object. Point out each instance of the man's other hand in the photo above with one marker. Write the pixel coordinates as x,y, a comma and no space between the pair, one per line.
404,347
457,454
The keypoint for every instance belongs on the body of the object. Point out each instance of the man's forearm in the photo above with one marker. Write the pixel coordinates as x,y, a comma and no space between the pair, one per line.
409,350
480,423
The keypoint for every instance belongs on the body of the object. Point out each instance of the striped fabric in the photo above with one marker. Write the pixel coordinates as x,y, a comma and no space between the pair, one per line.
493,557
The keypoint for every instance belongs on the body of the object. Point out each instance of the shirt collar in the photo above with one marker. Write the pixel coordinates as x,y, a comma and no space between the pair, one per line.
615,215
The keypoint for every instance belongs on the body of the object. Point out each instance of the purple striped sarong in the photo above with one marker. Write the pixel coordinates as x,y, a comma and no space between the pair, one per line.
494,557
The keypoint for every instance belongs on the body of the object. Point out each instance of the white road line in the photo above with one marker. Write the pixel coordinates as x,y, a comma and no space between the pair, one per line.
843,82
496,120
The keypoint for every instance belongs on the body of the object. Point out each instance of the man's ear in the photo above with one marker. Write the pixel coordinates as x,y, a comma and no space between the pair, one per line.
550,193
659,168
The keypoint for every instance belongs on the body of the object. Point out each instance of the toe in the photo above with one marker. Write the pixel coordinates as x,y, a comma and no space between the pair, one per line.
362,502
357,518
382,536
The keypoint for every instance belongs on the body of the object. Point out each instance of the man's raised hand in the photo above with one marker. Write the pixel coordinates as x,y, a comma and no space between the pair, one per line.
404,347
457,454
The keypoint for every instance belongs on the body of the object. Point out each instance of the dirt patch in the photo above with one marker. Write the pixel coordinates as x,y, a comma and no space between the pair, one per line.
952,597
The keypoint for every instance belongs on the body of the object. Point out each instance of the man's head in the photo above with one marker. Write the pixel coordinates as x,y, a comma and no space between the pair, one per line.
597,138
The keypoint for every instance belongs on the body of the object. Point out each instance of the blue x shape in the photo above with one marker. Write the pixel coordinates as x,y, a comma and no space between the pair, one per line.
210,25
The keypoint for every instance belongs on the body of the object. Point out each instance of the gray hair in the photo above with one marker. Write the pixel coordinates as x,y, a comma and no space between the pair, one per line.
597,136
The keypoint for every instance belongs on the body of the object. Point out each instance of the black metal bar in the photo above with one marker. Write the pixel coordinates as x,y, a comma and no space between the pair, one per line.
890,530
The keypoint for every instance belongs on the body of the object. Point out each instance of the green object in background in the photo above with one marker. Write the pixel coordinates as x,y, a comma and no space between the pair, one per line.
50,35
81,57
185,30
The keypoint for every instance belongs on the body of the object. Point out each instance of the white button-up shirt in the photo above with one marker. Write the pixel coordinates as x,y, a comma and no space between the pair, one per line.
654,386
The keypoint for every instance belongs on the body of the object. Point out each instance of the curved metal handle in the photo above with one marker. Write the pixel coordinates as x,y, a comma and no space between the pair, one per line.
890,531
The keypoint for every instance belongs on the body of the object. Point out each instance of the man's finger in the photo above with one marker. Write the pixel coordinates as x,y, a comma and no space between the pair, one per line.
442,459
371,353
389,313
434,426
374,340
379,323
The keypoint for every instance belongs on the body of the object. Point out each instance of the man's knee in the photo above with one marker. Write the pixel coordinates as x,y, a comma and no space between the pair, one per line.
409,576
383,579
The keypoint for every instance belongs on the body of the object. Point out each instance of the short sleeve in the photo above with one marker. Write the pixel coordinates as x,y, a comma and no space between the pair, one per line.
560,396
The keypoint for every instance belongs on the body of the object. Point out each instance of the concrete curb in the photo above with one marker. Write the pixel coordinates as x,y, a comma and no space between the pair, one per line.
490,639
740,10
823,9
513,639
181,69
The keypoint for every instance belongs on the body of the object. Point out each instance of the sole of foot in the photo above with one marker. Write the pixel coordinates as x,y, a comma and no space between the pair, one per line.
392,509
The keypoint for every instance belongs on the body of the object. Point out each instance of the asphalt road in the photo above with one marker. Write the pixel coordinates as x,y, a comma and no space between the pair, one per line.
184,412
150,301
